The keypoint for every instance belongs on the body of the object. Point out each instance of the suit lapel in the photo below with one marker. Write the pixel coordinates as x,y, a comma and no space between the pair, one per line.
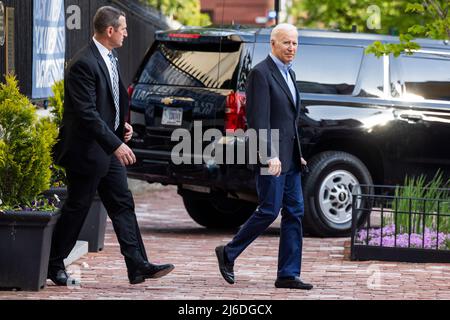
297,92
102,64
279,78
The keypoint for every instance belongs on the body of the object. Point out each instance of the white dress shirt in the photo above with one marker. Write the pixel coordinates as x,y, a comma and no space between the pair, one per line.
104,53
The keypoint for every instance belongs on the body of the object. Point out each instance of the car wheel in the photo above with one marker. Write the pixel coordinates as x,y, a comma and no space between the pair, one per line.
328,192
217,212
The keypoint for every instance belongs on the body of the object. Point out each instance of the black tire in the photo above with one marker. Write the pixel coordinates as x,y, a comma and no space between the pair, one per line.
217,212
325,217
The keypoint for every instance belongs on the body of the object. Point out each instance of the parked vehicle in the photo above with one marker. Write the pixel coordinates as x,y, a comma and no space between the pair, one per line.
364,119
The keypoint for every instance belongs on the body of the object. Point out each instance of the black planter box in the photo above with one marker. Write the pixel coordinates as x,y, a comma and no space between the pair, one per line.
25,242
94,227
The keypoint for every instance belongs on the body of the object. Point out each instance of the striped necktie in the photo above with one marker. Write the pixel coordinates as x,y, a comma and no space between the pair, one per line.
115,89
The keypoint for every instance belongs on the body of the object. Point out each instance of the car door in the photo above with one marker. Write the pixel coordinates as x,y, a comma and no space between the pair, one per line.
420,84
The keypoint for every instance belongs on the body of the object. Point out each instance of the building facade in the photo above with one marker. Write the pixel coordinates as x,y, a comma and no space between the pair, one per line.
249,12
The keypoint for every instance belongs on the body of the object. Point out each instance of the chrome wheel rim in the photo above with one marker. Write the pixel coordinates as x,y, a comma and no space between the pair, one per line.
335,196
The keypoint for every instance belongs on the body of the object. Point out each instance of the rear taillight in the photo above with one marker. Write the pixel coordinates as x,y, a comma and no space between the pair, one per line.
235,115
184,36
130,94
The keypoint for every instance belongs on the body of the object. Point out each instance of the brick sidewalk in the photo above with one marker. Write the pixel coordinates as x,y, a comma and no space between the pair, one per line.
171,236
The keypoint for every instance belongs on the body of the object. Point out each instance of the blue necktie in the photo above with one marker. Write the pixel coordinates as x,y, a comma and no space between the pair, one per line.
115,88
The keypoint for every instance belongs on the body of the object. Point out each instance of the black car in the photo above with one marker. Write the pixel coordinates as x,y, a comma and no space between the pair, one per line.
365,120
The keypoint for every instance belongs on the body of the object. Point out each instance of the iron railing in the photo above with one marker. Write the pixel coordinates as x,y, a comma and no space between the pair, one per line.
389,226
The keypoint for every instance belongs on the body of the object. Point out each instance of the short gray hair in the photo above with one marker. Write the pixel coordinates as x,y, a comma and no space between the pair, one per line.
107,17
280,28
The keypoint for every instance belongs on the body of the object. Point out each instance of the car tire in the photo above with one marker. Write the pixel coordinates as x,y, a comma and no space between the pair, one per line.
217,212
328,192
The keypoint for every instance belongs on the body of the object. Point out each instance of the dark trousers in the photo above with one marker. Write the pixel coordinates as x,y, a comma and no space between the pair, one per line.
118,201
283,193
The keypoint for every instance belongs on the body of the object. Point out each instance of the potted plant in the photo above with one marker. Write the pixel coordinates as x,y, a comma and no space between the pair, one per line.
94,227
26,221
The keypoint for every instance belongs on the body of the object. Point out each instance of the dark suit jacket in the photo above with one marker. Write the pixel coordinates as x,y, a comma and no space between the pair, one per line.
270,105
87,139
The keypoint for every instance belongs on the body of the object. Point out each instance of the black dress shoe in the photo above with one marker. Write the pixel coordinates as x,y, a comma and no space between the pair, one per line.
59,277
150,271
226,269
292,283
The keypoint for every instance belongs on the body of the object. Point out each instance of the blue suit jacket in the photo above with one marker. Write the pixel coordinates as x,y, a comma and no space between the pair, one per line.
270,105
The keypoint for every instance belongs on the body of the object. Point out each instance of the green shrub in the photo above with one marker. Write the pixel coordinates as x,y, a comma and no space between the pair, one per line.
419,200
58,178
26,143
57,102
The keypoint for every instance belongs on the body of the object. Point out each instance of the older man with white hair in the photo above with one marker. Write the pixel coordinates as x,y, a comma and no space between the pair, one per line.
273,103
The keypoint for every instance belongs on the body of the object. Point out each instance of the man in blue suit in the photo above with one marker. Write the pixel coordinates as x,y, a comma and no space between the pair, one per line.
273,103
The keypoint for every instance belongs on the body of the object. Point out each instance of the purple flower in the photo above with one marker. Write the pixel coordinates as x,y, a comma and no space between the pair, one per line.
387,237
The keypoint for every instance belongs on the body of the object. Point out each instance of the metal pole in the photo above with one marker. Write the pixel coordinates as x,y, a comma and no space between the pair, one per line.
277,10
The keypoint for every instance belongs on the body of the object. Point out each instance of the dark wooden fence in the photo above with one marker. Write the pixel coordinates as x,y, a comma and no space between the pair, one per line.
142,24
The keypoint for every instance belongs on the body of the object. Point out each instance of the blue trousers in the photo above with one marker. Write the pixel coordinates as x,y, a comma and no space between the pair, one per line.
276,193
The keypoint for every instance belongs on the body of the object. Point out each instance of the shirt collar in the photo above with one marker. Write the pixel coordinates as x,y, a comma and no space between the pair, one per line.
103,50
280,64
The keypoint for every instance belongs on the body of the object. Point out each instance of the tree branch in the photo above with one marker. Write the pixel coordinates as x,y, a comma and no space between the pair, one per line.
437,8
441,14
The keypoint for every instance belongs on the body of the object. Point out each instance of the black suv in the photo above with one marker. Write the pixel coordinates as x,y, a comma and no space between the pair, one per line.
364,120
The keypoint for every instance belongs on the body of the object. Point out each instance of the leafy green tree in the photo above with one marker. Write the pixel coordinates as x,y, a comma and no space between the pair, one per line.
372,16
409,19
186,12
438,28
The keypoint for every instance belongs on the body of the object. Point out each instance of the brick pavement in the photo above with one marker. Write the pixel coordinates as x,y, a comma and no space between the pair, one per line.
171,236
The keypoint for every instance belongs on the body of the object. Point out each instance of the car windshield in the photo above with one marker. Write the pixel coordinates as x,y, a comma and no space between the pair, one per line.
193,65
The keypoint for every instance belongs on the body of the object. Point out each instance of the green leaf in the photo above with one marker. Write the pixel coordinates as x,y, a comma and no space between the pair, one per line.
415,7
417,30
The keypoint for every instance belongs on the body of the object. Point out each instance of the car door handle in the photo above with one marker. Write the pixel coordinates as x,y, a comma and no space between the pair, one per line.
411,117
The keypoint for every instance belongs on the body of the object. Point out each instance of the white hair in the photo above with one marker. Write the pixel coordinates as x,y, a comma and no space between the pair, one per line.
283,27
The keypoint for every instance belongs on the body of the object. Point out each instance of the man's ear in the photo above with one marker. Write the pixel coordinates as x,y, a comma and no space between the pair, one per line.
110,31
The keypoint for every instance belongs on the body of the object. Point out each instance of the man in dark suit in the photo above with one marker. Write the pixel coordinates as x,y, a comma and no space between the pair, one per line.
273,104
92,148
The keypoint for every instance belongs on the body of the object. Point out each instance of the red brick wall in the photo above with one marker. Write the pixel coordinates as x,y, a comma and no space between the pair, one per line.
239,11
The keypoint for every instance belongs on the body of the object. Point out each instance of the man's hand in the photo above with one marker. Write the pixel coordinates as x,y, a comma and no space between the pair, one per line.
274,167
125,155
304,163
128,132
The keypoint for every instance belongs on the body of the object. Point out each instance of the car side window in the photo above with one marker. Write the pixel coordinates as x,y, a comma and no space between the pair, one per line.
425,77
327,69
370,83
397,86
